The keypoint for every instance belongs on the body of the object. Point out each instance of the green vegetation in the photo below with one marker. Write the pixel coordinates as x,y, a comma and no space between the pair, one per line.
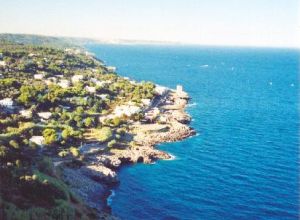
58,97
103,134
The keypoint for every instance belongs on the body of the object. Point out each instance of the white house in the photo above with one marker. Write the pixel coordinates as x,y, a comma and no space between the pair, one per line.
38,76
77,78
44,115
127,110
68,50
2,63
90,89
103,96
64,83
26,113
38,140
160,90
133,82
32,55
146,102
7,102
1,76
111,68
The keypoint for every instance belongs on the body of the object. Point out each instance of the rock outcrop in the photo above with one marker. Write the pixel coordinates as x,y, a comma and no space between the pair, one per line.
99,173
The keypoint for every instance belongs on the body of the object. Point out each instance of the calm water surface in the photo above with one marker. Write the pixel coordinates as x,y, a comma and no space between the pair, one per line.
244,164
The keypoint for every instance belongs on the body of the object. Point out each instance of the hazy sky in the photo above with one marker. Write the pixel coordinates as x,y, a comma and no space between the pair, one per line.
218,22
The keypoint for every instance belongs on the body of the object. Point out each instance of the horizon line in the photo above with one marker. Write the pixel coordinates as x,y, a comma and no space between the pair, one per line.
120,41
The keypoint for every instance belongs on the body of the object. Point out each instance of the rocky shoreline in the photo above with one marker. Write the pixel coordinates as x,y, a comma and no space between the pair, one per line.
93,180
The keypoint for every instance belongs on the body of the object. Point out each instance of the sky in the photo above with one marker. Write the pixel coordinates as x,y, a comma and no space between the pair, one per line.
274,23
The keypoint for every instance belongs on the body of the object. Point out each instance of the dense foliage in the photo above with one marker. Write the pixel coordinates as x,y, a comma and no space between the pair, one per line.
58,98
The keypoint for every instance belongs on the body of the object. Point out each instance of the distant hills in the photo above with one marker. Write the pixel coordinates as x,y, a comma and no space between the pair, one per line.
63,42
40,40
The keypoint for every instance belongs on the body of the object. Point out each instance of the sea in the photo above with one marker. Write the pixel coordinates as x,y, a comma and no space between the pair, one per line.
244,161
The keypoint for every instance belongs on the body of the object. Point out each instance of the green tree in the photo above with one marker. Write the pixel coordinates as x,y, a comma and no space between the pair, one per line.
50,136
74,151
14,144
88,122
112,143
104,134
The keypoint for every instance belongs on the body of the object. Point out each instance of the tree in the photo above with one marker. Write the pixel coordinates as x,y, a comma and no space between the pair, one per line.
74,151
67,133
88,122
112,143
14,144
50,136
116,121
104,134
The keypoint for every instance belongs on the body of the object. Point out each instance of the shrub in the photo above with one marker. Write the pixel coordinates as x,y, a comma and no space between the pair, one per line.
116,121
112,143
104,134
14,144
88,122
63,153
50,136
74,151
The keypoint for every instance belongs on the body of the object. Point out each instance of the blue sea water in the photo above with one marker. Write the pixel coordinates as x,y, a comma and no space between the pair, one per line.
244,162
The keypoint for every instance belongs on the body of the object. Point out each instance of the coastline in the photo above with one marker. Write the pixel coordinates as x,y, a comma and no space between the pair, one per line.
95,180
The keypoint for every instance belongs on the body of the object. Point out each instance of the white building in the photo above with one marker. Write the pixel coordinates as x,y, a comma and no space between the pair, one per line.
160,90
7,102
179,89
180,93
32,55
100,83
38,140
2,63
64,83
38,76
103,96
127,110
68,50
133,82
45,115
26,113
77,78
111,68
90,89
146,102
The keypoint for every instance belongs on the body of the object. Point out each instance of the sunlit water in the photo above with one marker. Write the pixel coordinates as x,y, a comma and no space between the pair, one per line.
244,162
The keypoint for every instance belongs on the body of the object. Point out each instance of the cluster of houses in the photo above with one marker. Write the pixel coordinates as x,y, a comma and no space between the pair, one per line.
65,83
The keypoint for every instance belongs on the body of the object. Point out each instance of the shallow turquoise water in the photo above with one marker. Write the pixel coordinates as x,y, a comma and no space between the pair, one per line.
244,164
